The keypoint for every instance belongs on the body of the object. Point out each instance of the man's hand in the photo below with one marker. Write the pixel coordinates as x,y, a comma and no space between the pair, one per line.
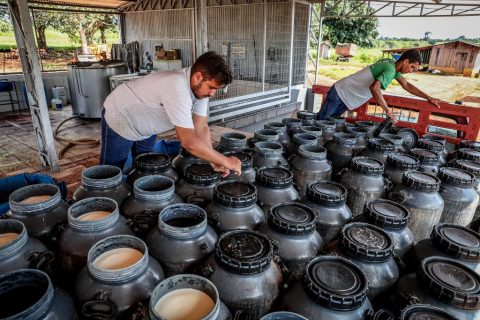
434,101
232,164
391,115
218,168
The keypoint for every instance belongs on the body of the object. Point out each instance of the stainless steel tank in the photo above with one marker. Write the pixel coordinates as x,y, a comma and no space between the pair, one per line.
89,85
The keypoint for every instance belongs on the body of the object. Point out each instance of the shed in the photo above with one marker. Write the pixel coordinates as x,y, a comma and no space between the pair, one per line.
454,57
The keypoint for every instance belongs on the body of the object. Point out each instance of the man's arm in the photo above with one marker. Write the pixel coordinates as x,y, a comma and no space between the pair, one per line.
415,91
201,129
376,91
200,148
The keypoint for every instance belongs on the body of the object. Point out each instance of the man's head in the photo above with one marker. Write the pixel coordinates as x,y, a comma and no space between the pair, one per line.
210,72
409,61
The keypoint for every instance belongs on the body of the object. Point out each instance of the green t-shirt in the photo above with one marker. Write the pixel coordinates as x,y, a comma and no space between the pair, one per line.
384,71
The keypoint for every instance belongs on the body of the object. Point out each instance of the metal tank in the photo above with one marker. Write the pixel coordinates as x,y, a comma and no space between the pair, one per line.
89,85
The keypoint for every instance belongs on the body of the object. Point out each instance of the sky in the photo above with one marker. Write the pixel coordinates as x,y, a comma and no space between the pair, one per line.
440,27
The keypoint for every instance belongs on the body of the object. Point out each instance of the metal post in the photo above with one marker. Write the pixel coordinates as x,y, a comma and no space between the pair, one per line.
290,64
265,17
319,40
201,23
28,51
307,54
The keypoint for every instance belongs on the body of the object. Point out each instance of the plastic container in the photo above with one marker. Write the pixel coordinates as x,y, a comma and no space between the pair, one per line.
340,150
196,187
429,160
378,148
148,164
274,185
248,172
268,154
398,164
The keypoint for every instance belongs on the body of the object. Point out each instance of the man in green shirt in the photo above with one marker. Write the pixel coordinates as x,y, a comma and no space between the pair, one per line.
353,91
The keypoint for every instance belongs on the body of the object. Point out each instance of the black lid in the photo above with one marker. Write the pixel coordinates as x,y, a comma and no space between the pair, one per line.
274,177
301,139
425,312
425,156
234,194
450,282
380,144
469,144
153,162
468,154
327,193
421,181
386,214
245,158
335,283
410,137
244,252
456,177
357,131
436,138
201,174
457,241
430,145
468,166
306,115
366,242
292,218
367,165
402,161
393,138
383,127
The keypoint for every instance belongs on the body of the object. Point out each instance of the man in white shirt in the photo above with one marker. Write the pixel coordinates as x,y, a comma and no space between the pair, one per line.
138,110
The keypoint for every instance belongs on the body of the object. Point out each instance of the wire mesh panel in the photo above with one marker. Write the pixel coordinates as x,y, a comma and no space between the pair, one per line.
172,28
300,42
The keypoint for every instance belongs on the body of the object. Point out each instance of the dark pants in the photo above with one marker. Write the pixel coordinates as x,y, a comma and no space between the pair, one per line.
115,148
333,106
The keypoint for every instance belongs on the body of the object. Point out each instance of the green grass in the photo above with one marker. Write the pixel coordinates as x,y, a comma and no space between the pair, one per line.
55,39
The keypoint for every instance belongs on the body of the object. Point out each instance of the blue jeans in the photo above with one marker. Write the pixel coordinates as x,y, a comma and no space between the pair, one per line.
115,149
333,106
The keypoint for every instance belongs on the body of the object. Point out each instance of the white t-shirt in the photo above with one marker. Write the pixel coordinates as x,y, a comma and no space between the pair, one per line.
153,104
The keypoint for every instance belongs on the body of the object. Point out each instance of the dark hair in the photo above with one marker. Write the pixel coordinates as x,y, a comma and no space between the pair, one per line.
213,66
413,55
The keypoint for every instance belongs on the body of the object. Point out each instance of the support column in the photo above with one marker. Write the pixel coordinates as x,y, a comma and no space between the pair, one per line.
201,27
32,73
319,40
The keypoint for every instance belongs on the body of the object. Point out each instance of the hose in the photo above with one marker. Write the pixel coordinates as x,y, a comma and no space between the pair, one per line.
72,142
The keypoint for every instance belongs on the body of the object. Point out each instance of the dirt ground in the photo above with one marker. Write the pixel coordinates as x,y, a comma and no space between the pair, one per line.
446,88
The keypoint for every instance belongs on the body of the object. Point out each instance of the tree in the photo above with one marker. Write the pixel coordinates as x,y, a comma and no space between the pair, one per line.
361,31
44,19
5,22
427,36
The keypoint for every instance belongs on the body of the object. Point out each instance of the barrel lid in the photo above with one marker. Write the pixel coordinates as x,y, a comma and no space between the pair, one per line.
386,214
235,194
468,154
292,218
335,283
345,138
245,158
425,312
327,193
383,127
366,242
274,177
457,241
367,165
428,144
201,174
456,177
424,155
306,115
409,136
244,252
393,138
402,160
357,131
436,138
469,144
450,282
421,181
380,144
468,166
153,162
301,139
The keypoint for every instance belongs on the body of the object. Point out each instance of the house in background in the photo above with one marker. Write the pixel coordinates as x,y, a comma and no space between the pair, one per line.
455,57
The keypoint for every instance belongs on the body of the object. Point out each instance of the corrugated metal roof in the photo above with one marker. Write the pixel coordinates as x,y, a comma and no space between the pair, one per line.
106,4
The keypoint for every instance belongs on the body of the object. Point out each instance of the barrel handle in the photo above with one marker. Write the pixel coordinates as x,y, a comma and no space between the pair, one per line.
101,307
399,261
204,247
382,314
212,218
41,260
388,184
409,298
242,315
204,271
399,197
